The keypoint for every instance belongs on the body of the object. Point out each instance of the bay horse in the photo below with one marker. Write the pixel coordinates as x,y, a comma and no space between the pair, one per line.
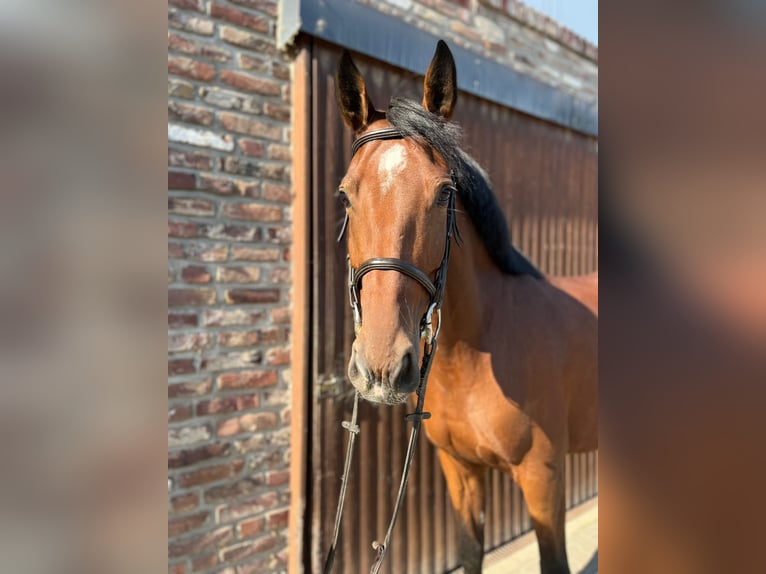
513,385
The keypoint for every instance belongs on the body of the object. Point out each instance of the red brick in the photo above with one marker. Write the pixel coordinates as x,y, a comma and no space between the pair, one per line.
281,315
184,503
200,542
248,40
250,83
223,185
257,23
189,389
190,159
180,89
279,275
238,274
207,252
281,113
182,66
231,232
203,49
267,6
179,568
190,456
250,126
226,317
189,114
180,367
186,523
278,520
180,180
279,235
250,422
247,380
190,297
182,229
277,477
271,336
275,192
210,474
229,361
242,166
280,152
252,212
190,22
206,562
276,357
191,206
249,296
245,508
251,148
177,413
280,71
181,320
254,254
256,444
195,274
175,251
197,5
248,528
228,404
181,342
238,339
246,62
265,170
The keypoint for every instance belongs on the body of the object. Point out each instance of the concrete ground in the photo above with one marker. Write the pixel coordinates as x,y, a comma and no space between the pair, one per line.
521,556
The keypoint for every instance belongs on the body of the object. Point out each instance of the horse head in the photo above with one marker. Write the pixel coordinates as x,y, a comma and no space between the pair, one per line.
399,196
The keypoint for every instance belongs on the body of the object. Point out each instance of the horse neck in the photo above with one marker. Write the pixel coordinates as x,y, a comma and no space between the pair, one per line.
471,280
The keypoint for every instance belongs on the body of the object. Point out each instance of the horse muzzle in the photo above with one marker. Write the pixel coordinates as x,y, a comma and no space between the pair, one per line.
389,380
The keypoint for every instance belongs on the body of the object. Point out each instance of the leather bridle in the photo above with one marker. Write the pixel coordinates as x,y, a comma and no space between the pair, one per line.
435,290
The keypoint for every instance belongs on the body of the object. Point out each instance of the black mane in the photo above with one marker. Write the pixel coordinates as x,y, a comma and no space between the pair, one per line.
471,182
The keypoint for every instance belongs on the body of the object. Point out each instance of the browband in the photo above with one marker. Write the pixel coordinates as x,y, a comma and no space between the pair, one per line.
384,134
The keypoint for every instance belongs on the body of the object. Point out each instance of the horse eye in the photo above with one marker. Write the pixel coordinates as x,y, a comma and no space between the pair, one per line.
343,199
444,195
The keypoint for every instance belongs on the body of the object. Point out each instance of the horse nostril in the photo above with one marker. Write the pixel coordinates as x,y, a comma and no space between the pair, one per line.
405,379
357,367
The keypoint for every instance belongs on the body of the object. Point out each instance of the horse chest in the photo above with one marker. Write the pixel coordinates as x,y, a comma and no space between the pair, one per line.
495,434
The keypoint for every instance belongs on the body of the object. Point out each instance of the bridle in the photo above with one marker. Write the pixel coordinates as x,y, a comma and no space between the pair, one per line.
435,290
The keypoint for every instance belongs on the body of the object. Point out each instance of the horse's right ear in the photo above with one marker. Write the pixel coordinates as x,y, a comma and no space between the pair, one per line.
351,94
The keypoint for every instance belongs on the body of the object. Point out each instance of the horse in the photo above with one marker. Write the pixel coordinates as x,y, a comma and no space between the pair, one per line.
513,385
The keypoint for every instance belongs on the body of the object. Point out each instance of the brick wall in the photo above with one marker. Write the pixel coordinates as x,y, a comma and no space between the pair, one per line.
229,245
229,239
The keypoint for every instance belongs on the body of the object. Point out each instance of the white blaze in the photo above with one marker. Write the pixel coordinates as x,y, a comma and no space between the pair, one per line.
391,164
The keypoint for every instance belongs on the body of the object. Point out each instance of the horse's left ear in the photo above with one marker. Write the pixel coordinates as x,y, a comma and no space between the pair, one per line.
440,86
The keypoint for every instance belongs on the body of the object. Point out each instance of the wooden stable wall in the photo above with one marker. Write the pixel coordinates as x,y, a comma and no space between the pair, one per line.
545,178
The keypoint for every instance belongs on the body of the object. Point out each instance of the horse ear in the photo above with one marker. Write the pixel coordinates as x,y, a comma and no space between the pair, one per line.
351,94
440,86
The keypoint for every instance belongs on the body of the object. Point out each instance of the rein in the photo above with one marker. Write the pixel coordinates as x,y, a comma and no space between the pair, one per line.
435,291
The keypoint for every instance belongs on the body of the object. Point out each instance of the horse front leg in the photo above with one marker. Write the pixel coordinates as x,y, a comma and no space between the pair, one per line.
466,488
542,482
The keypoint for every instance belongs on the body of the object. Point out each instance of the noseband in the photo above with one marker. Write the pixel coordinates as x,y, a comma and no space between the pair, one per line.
435,290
